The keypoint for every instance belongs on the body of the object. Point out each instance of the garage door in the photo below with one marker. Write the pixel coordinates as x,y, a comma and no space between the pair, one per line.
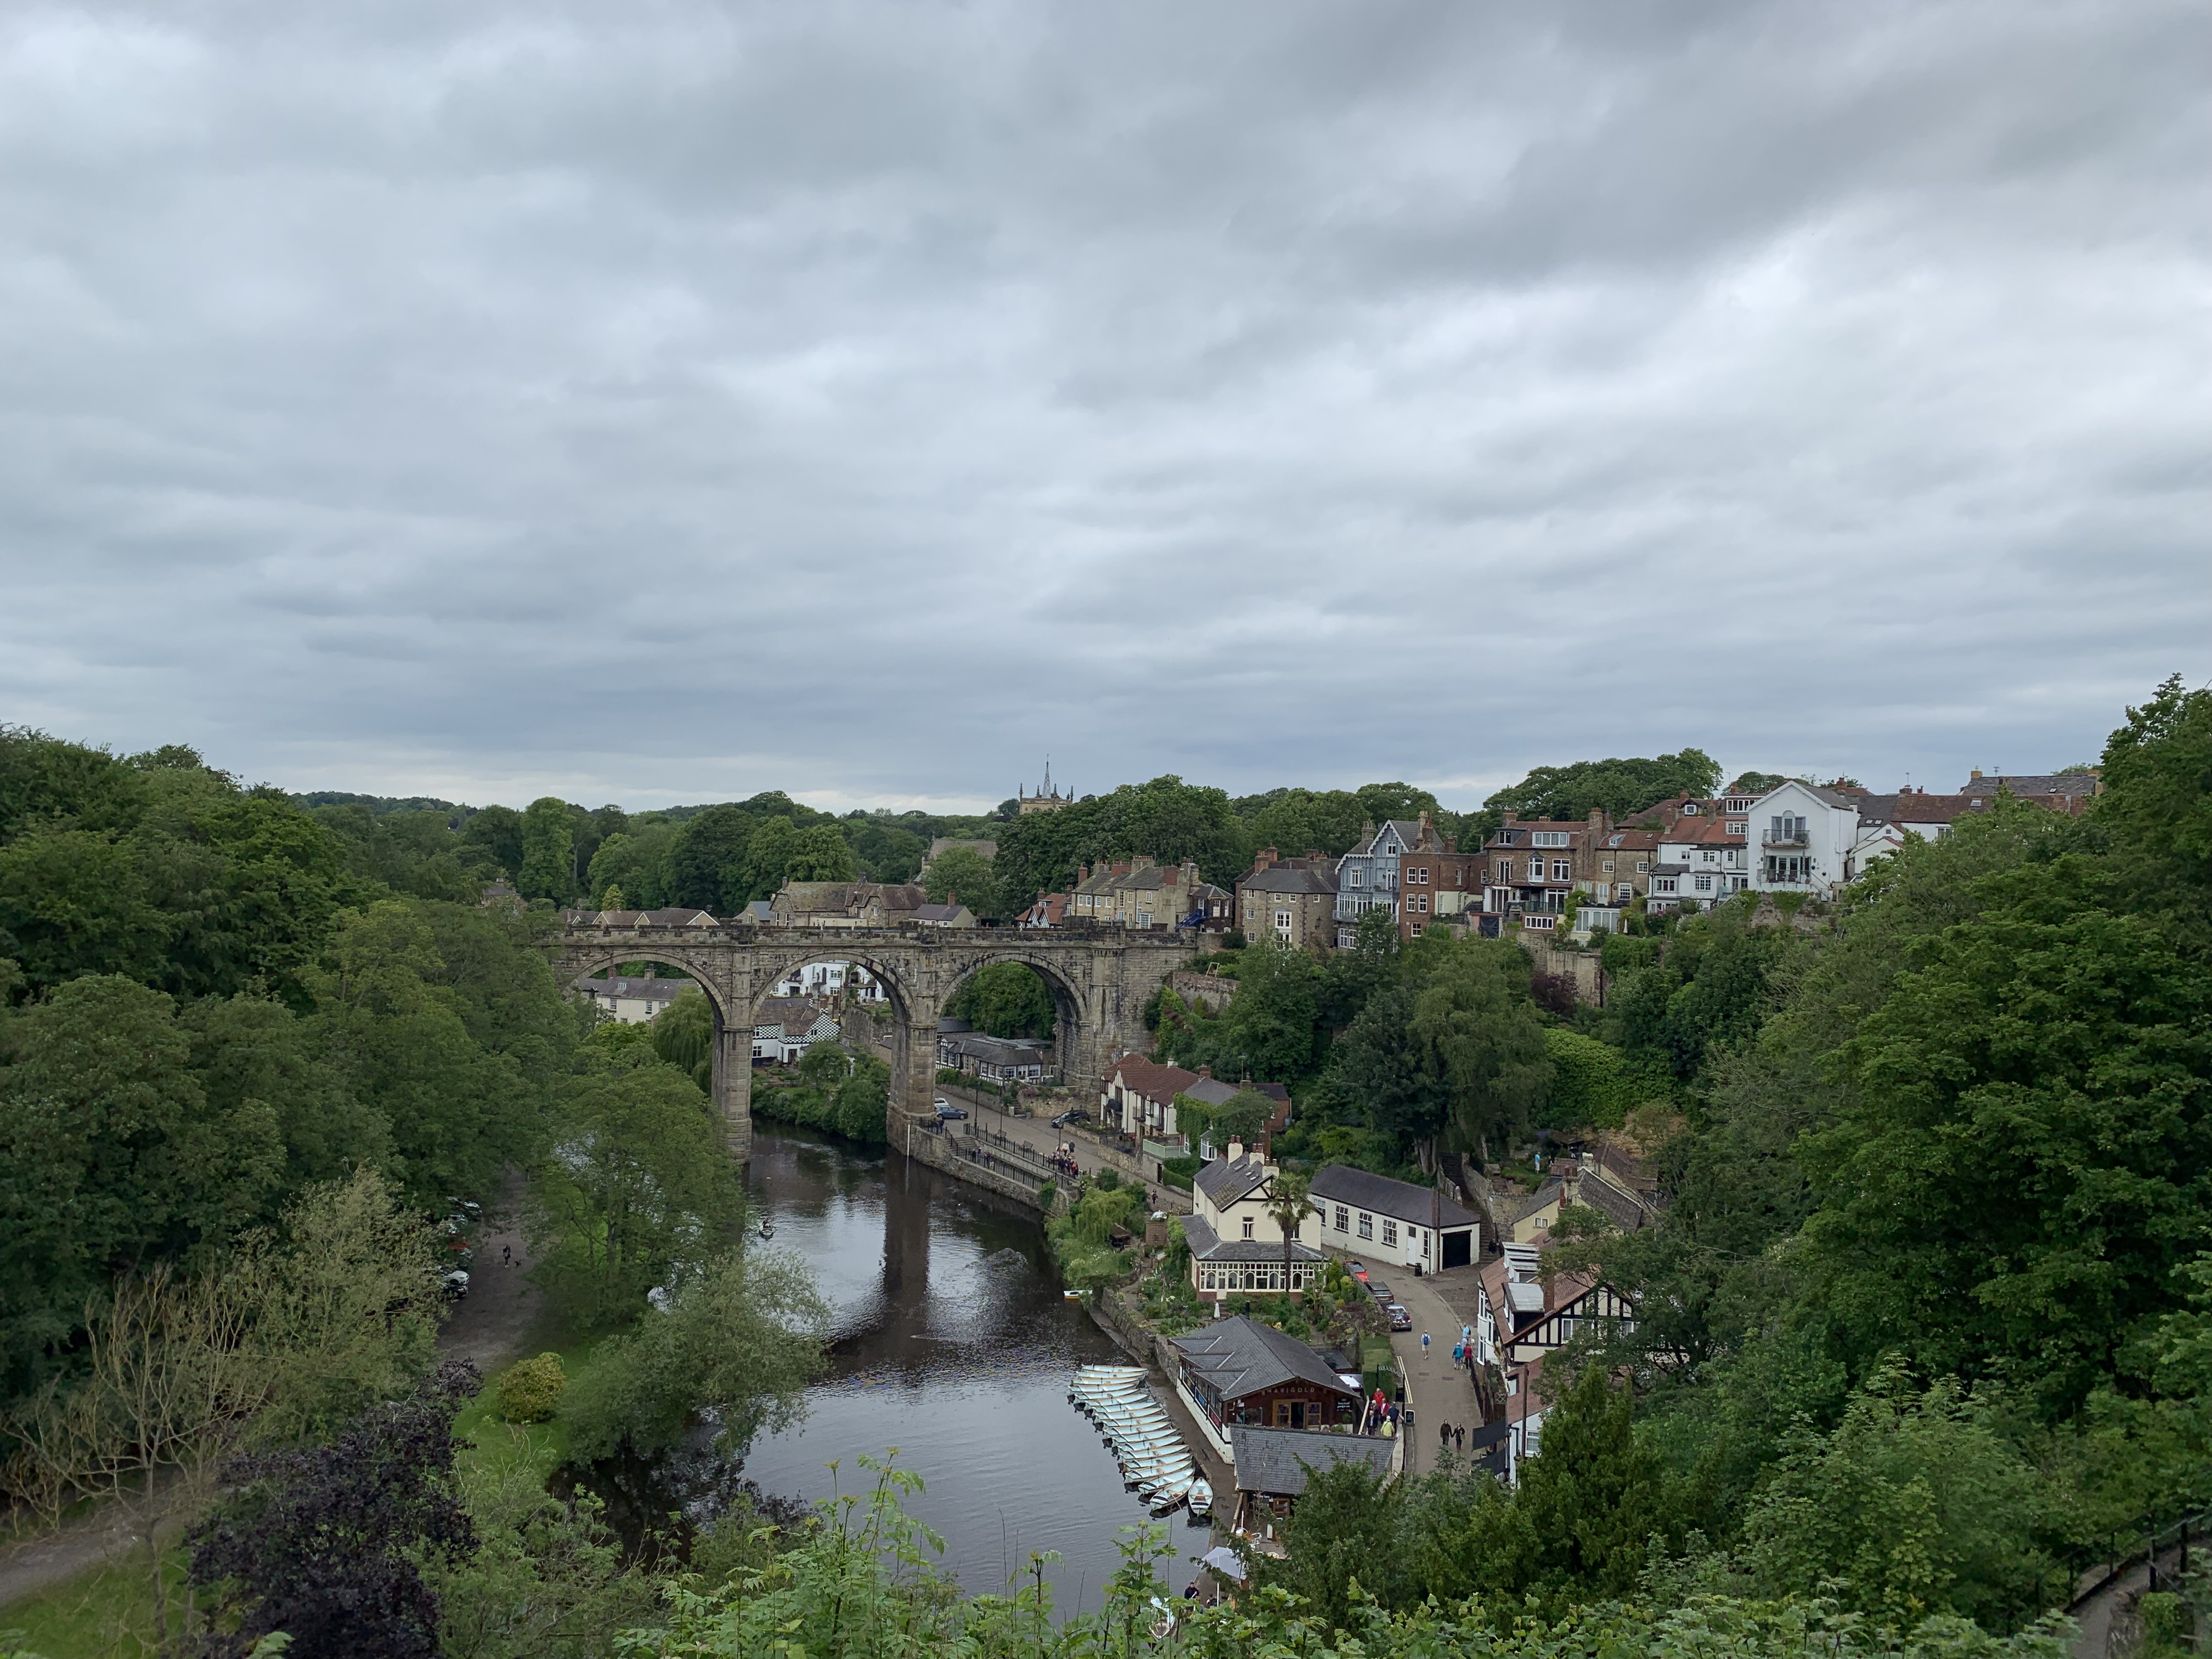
1459,1248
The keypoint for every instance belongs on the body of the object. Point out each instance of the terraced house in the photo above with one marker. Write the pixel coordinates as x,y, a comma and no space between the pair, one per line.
1294,900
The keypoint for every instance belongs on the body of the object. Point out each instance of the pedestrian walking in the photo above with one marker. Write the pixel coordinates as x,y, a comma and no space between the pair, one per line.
1459,1438
507,1255
1444,1437
1424,1345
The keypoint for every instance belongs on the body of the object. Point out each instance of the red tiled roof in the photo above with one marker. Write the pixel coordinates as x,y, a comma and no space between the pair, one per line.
1151,1079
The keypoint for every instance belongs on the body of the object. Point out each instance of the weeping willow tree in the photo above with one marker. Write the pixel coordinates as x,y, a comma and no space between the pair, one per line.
683,1036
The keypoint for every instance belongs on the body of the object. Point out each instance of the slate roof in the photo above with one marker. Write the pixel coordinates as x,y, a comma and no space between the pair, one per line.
1225,1183
1913,807
660,989
1211,1091
1206,1245
1409,831
1238,1356
1381,1195
2050,783
789,1014
1620,1208
1275,1460
998,1051
942,915
1288,878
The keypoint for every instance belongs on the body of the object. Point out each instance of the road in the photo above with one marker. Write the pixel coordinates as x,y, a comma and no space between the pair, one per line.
1439,1391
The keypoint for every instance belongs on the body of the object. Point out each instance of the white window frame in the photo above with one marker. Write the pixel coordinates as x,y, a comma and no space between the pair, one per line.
1366,1225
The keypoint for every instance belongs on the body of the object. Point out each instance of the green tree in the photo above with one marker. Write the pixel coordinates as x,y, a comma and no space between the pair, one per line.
769,856
1474,1027
1591,1087
2020,1158
1914,1504
1289,1201
683,1036
1268,1032
638,863
549,852
708,862
401,1037
497,831
1348,1529
821,853
1006,999
1588,1503
110,1154
636,1180
1618,786
742,1336
964,870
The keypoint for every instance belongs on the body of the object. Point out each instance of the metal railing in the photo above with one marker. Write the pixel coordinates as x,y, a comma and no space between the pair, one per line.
2146,1547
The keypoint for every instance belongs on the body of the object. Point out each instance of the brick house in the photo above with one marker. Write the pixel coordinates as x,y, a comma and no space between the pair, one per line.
1436,881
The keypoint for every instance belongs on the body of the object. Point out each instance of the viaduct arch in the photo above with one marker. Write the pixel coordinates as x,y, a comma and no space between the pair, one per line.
1099,978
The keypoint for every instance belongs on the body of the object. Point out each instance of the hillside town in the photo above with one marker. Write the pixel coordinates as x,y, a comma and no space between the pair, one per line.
1267,1300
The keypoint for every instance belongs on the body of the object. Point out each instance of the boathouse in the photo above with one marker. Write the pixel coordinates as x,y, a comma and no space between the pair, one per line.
1271,1466
1239,1370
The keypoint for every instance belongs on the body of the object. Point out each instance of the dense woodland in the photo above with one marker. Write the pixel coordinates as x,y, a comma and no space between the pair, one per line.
1928,1318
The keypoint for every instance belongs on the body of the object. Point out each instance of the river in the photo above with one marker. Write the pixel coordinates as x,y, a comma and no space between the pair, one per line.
953,1343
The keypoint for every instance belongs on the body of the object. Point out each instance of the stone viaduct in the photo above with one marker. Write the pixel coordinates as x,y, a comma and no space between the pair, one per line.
1099,980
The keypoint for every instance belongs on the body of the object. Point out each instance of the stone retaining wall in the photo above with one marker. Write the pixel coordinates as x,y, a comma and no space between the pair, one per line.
1582,969
929,1144
1211,989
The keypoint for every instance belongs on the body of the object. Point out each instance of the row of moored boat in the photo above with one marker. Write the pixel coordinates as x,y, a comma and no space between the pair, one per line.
1155,1462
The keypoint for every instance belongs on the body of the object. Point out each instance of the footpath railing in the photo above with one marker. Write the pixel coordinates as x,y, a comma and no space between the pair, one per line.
988,1150
2174,1538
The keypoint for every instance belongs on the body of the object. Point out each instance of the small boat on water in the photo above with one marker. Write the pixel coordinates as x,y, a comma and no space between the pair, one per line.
1200,1499
1155,1462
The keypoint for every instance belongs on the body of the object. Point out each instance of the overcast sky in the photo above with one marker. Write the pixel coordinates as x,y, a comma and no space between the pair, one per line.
659,401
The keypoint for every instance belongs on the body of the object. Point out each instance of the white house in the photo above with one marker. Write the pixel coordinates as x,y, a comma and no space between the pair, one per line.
634,1000
787,1027
822,979
1702,857
1236,1246
1805,839
1374,1217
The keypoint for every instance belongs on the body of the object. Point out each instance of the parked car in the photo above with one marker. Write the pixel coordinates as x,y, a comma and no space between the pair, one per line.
1357,1270
1399,1319
1068,1118
456,1283
1380,1290
941,1102
946,1114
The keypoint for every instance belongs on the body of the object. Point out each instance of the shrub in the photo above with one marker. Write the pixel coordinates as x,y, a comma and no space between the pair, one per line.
531,1388
1107,1179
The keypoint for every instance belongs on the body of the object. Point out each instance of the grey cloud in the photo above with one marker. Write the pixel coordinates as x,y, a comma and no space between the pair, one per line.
879,396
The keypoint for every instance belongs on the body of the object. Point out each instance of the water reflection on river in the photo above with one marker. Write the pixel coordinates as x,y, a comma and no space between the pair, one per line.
954,1344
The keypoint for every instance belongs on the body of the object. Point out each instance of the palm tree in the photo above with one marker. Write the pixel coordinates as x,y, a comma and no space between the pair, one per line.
1289,1205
